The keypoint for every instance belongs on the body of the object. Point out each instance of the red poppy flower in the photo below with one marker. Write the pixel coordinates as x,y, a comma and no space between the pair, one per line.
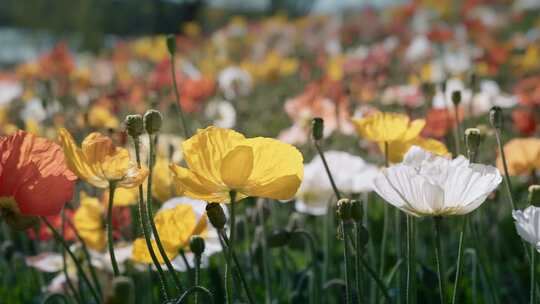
524,121
440,121
34,178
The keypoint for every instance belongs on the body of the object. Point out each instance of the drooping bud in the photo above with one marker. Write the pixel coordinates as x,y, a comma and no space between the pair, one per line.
197,245
123,291
344,209
134,125
171,44
496,117
216,215
456,98
534,194
278,238
317,128
473,137
152,121
356,210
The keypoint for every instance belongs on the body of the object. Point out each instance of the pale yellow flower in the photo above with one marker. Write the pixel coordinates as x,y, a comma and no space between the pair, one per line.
88,221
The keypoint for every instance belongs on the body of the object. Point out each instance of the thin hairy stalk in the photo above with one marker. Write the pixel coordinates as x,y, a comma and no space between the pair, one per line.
247,289
505,168
327,169
110,241
195,290
69,282
60,239
411,258
459,258
187,131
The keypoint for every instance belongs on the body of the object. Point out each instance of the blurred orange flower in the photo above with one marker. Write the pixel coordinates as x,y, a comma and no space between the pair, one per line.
522,156
524,121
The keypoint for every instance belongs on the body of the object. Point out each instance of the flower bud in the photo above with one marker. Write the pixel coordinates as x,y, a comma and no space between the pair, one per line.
456,98
473,137
428,89
496,117
123,291
344,209
216,215
171,44
278,238
356,210
534,194
196,244
152,121
317,128
134,125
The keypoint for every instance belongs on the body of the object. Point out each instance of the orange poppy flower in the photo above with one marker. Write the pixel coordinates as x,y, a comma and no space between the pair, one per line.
30,167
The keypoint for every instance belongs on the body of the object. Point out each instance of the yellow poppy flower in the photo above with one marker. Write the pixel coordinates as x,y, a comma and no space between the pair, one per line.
162,184
99,162
522,156
222,160
175,226
398,149
101,117
123,197
388,127
89,222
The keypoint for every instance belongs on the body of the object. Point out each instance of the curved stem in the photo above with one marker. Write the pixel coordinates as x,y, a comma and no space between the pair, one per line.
459,258
379,282
78,297
187,132
313,249
438,258
146,230
195,289
150,215
197,271
110,241
533,276
457,132
60,239
327,169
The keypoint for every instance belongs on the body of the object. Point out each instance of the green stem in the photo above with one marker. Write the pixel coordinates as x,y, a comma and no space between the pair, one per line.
327,169
230,245
358,277
411,257
378,281
457,132
247,289
150,215
459,258
346,257
438,258
313,250
505,167
533,276
197,273
110,241
266,266
196,290
187,131
146,229
60,239
76,294
386,223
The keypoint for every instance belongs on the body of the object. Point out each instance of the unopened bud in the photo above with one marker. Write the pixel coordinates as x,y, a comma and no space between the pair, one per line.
344,209
134,125
534,194
152,121
456,97
317,128
356,210
278,238
496,117
473,137
196,244
123,291
216,215
171,44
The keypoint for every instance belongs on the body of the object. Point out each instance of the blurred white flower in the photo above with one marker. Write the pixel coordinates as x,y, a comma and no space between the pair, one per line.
528,225
351,174
34,110
46,262
9,90
211,239
425,184
419,48
235,82
405,95
221,113
490,95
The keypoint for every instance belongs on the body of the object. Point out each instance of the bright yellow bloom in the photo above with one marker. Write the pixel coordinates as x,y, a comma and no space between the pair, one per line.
123,197
88,221
162,181
222,160
175,226
99,162
398,149
101,117
388,127
522,156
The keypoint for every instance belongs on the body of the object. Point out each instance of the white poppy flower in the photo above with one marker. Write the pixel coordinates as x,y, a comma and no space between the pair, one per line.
222,113
490,95
235,82
528,225
351,174
420,47
9,90
425,184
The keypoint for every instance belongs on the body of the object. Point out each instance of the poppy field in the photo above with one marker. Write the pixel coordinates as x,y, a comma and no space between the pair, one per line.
385,154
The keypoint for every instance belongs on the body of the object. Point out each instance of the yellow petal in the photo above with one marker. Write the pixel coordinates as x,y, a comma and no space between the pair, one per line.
414,129
88,220
205,151
398,149
141,254
431,145
197,187
162,188
278,169
96,147
133,177
123,197
237,166
77,162
176,225
115,166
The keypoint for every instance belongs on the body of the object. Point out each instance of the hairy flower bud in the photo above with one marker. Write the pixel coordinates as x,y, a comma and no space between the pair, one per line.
344,209
171,44
356,210
216,215
456,98
534,194
473,138
317,128
278,238
197,245
496,117
134,125
152,121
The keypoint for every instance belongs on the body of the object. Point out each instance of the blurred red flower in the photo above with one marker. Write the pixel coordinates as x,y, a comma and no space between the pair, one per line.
44,234
528,91
439,121
524,121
